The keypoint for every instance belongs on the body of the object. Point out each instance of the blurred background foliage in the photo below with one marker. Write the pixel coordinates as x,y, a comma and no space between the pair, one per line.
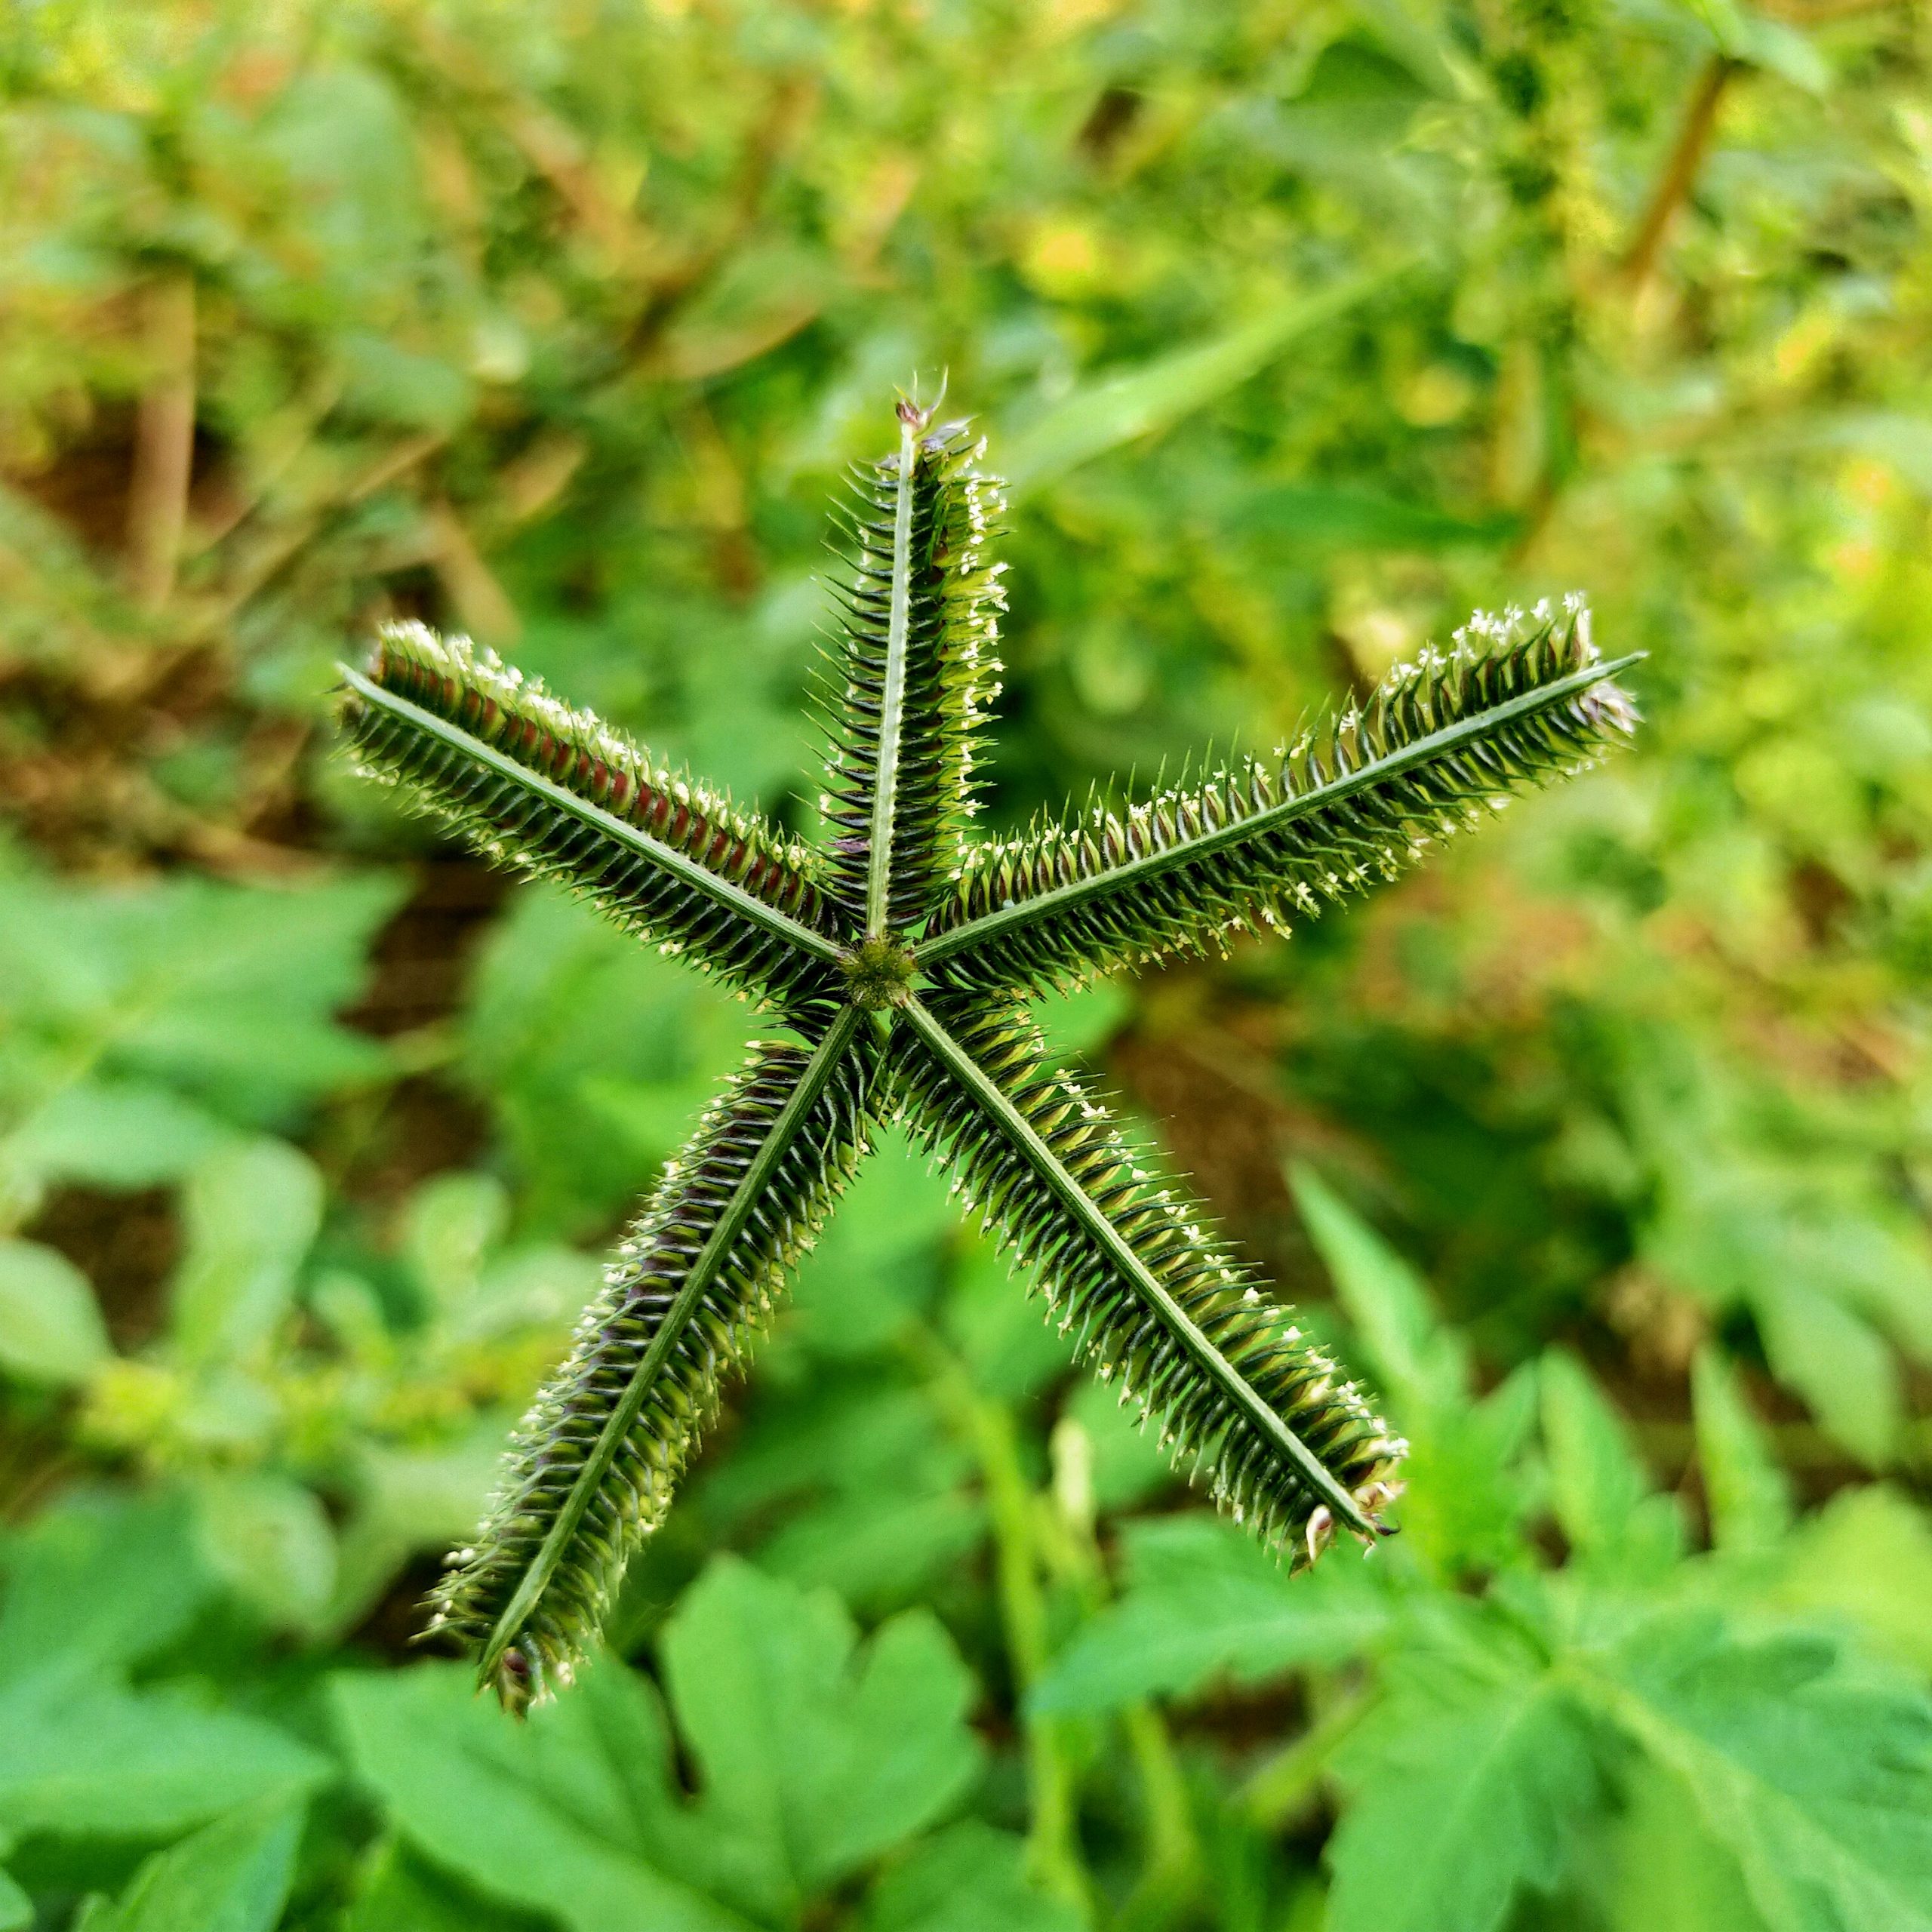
1300,330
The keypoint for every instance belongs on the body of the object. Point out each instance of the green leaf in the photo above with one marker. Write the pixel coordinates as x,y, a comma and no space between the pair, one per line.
97,1583
1201,1604
403,1893
225,993
1601,1493
1132,403
50,1329
969,1878
1746,35
270,1541
1338,516
1866,1559
1666,1873
96,1587
231,1876
1748,1495
1467,1786
1469,1482
814,1756
112,1133
455,1221
83,1759
1841,1365
252,1213
1420,1364
878,1547
569,1813
1815,1775
828,1756
16,1908
575,1034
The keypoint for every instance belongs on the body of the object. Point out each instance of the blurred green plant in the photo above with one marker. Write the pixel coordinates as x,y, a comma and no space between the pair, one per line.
558,326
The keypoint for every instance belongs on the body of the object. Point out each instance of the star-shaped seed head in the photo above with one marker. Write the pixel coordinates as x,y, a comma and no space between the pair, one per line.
896,959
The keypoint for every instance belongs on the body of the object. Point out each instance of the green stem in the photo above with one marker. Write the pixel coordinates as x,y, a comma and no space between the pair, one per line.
1170,1872
892,707
1286,1783
976,934
1052,1769
711,1257
1093,1221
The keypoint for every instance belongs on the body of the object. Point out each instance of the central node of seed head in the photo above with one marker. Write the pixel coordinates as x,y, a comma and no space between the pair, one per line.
878,973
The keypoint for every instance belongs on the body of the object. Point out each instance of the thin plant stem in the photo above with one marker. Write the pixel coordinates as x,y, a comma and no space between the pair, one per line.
1680,171
1053,1839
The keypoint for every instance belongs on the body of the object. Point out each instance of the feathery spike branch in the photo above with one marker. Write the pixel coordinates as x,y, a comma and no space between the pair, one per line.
1441,742
531,782
591,1471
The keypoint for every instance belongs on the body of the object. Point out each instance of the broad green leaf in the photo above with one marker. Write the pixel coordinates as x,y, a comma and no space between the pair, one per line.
16,1908
1202,1603
1815,1774
1666,1873
403,1893
1079,1020
1420,1364
570,1814
85,1759
230,1876
455,1221
269,1540
1000,1330
50,1329
1467,1787
225,993
98,1583
813,1757
595,1057
1133,403
1129,1465
113,1133
1465,1495
877,1549
1601,1493
1839,1363
826,1754
252,1213
1744,34
1468,1490
878,1260
969,1878
1866,1558
1748,1497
